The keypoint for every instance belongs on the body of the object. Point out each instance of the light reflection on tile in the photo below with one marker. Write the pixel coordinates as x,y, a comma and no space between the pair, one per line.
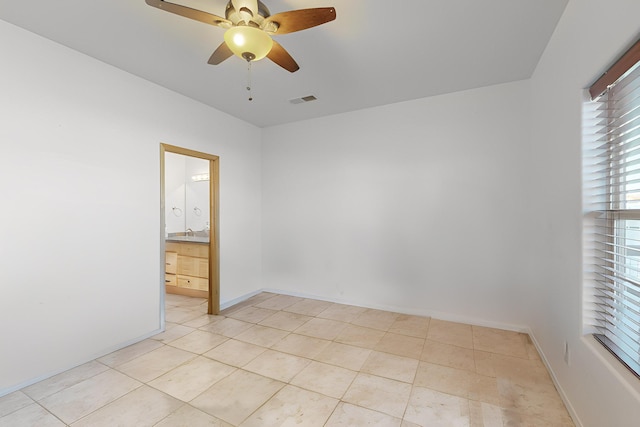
346,356
535,401
329,380
285,320
151,365
391,366
522,371
486,415
189,380
173,333
380,394
89,395
401,345
376,319
309,307
431,408
262,336
142,407
237,396
129,353
457,382
347,415
501,342
448,355
252,314
30,416
181,315
279,302
341,312
360,336
202,320
66,379
321,328
228,327
277,365
13,402
414,326
457,334
293,406
235,353
301,345
198,342
188,416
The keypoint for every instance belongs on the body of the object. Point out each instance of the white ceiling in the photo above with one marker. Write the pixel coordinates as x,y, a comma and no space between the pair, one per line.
376,52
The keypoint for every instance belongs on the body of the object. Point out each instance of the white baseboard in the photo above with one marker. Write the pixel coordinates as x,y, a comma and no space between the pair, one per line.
402,310
232,302
109,350
563,395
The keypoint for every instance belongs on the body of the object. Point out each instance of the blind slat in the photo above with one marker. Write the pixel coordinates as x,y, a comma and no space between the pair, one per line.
611,178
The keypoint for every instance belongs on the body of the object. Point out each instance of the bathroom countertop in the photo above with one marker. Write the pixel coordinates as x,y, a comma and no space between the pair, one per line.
188,239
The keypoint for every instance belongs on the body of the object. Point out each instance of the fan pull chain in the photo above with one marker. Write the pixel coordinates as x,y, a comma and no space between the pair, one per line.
249,80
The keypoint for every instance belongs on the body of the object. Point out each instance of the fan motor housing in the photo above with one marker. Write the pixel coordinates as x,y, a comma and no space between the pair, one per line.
245,16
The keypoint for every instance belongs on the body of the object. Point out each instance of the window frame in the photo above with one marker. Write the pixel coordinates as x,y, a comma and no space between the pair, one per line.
616,312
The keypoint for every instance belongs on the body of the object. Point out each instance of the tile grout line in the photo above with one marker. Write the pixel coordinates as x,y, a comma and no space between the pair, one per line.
309,359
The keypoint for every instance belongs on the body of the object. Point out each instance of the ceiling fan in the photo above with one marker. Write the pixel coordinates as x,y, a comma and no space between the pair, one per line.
250,25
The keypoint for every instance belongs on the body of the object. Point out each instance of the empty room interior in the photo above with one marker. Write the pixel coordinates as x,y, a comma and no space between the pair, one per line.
395,225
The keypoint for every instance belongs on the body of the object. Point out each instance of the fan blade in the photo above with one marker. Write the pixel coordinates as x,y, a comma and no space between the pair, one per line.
222,52
280,56
296,20
188,12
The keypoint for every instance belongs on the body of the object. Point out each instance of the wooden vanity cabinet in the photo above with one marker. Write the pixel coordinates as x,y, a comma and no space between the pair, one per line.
171,262
187,269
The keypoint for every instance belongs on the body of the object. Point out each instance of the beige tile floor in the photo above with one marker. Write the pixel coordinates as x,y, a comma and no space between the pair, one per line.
277,360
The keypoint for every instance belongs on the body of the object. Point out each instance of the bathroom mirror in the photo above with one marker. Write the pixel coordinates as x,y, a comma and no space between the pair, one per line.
187,197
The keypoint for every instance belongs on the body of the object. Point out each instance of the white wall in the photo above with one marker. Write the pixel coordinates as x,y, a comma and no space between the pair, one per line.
418,206
590,35
80,229
401,206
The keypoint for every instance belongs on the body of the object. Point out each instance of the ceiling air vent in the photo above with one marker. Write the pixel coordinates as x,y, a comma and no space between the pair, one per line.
307,98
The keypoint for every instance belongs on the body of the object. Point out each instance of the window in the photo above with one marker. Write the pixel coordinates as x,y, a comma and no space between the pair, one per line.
612,198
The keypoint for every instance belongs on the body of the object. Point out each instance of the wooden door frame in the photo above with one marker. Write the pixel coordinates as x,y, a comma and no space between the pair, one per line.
214,220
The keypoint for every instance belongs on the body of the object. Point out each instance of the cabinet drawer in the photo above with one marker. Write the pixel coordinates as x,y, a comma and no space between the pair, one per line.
171,262
193,283
188,249
189,266
170,279
171,246
194,249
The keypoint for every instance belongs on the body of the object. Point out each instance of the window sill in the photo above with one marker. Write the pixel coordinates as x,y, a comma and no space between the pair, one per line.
613,365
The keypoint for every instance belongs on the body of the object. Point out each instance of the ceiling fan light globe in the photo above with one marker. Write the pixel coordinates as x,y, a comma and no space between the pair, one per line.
238,39
248,42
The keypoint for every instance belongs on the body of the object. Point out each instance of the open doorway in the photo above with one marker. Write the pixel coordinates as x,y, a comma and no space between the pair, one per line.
190,224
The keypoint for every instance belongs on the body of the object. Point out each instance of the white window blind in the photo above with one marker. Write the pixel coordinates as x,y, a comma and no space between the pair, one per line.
612,197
